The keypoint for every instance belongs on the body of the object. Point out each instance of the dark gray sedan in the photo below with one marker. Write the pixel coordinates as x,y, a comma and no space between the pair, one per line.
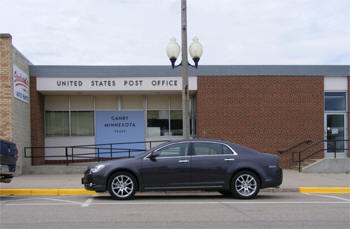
197,164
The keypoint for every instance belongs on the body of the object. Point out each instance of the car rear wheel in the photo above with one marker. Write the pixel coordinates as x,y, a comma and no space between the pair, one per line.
245,185
122,186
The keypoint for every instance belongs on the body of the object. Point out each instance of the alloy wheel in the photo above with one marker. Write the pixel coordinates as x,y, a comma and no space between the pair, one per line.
246,185
122,186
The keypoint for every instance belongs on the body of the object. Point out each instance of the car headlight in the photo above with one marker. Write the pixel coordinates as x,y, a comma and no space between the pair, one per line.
96,168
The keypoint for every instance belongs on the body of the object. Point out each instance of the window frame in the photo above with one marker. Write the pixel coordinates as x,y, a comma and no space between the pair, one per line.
46,119
71,123
169,110
233,152
69,111
190,154
179,143
330,111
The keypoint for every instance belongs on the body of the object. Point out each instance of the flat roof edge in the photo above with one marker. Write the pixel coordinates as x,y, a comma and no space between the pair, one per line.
204,70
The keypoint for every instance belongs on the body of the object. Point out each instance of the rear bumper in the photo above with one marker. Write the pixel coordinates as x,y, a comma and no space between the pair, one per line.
274,180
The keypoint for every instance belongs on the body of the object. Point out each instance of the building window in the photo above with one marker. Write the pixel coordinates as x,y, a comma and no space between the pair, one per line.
164,115
176,122
74,115
57,123
82,123
335,101
106,102
69,116
132,102
157,123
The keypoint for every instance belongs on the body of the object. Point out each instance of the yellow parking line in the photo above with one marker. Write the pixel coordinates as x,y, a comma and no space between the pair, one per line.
69,192
342,190
45,192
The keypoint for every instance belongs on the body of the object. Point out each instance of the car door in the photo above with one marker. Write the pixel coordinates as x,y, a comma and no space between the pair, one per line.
211,163
169,169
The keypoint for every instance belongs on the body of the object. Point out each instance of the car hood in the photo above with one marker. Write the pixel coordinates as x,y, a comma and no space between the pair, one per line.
109,162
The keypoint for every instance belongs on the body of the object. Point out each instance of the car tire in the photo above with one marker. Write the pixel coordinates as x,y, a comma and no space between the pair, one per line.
245,185
122,186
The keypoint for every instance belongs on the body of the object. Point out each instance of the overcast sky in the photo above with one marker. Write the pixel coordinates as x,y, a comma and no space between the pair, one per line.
136,32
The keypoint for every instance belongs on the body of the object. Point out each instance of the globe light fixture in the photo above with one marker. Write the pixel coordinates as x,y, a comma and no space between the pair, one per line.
173,51
196,51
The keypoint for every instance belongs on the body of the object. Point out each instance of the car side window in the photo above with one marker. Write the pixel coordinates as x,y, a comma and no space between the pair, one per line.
205,148
226,150
175,150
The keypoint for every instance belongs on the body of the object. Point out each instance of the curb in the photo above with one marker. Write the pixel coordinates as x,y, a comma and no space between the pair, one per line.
73,192
329,190
279,190
45,192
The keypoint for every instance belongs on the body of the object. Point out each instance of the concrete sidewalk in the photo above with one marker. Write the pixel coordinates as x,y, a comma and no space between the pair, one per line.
292,181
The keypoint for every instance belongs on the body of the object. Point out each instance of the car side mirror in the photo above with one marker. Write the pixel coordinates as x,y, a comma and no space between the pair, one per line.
153,156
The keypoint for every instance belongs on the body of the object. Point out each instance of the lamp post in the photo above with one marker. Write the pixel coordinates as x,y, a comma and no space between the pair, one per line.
173,51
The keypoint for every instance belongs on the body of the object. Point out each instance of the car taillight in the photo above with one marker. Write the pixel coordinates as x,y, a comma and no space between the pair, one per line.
272,166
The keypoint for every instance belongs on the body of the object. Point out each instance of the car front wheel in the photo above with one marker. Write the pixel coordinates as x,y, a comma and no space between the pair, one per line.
122,186
245,185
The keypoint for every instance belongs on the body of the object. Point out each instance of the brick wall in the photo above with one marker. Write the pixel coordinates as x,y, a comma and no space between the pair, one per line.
37,122
6,114
266,113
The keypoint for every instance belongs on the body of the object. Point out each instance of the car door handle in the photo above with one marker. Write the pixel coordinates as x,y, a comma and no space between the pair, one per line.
229,159
184,161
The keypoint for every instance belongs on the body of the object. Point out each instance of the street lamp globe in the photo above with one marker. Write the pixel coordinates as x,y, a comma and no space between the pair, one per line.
173,51
196,50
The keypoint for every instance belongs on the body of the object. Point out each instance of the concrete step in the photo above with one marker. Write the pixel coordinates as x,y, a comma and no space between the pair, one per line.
305,163
329,165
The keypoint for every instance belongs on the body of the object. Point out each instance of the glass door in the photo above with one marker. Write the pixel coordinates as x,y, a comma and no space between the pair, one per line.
335,134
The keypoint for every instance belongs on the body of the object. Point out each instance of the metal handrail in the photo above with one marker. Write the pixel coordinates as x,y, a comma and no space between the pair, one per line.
295,146
100,152
300,159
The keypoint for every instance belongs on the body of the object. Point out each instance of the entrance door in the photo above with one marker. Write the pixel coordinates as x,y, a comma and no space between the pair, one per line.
335,134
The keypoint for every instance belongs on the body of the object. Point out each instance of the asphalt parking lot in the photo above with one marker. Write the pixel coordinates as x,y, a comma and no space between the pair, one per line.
173,210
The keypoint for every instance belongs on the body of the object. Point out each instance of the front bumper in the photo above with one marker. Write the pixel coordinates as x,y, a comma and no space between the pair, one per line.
7,172
93,182
7,169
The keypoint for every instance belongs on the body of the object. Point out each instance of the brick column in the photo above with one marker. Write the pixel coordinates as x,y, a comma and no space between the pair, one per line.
37,122
6,88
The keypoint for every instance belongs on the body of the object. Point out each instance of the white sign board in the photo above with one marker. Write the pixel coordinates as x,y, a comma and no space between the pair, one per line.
114,84
20,84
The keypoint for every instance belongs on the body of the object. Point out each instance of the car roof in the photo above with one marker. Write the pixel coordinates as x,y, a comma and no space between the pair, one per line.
200,140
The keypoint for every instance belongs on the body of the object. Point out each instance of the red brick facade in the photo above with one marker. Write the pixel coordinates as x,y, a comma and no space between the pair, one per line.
266,113
37,122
